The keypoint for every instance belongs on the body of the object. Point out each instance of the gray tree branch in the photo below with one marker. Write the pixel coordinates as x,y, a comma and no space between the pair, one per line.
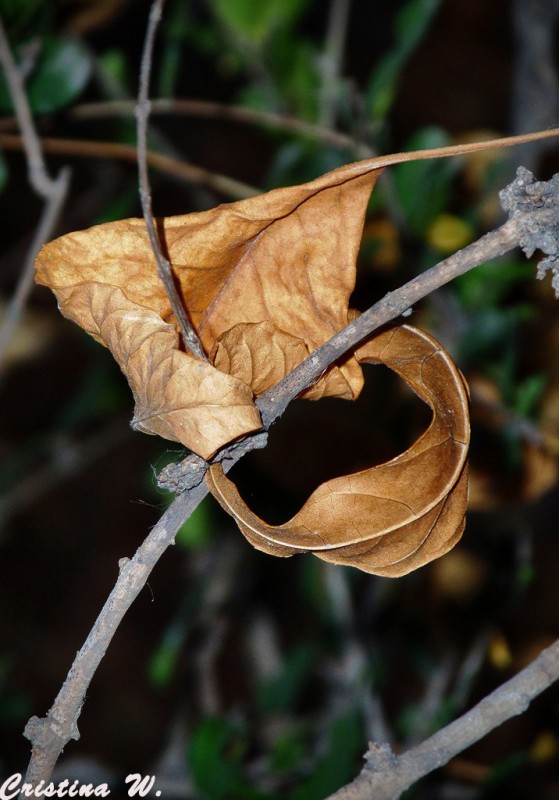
531,222
53,191
386,776
50,734
164,269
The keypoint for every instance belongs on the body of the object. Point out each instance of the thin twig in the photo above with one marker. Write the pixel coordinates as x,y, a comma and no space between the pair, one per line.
38,175
53,191
178,169
386,775
50,734
332,60
469,669
45,228
394,304
212,110
66,459
435,692
164,269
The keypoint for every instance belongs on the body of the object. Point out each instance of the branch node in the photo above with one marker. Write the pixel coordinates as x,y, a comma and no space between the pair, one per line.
255,441
524,195
45,733
184,475
380,757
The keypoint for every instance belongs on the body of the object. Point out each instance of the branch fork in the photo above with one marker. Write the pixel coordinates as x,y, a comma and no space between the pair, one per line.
533,208
526,194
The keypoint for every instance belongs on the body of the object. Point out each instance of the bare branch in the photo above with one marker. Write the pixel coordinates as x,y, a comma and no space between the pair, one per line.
53,191
386,776
50,734
212,110
164,269
177,169
38,175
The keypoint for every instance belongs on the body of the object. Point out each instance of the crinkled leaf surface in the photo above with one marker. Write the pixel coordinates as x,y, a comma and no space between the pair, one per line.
177,396
284,261
280,265
265,281
395,517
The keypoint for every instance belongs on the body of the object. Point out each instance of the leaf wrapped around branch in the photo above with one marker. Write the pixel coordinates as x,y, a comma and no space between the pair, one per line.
264,282
177,396
283,262
397,516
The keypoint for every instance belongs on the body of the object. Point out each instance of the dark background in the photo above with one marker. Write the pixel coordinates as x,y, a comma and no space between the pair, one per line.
219,624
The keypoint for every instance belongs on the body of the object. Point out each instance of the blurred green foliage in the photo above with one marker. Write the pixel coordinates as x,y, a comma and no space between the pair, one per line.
55,67
215,757
219,747
257,22
424,187
262,40
56,76
24,18
282,693
411,24
14,706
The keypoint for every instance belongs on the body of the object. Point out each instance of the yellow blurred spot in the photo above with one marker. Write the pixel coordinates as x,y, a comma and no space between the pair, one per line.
545,747
499,652
448,233
458,575
540,471
30,337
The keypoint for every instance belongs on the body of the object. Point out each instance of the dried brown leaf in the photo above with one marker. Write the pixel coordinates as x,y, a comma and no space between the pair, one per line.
261,355
284,260
397,516
177,396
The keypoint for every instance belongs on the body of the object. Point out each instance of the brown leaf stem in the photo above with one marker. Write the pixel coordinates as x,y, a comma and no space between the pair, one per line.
178,169
164,269
49,735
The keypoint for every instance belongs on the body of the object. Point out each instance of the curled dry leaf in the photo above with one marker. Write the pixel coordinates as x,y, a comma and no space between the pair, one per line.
267,279
177,396
397,516
283,260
